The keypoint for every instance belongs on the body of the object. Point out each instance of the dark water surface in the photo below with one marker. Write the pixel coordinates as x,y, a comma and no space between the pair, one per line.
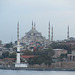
27,72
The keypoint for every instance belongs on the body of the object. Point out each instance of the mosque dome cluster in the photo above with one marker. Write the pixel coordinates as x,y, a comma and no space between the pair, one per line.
33,36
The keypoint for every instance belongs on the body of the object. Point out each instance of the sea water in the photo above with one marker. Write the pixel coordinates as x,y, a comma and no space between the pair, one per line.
27,72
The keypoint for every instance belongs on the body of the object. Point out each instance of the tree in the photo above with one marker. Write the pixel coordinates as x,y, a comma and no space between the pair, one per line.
13,55
56,45
49,52
40,59
9,45
27,52
5,54
44,56
15,49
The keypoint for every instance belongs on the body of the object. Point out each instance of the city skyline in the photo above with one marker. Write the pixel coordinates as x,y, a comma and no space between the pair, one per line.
61,14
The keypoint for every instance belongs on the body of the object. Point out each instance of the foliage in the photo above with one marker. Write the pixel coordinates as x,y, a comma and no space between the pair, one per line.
48,52
27,52
5,54
9,45
1,57
56,45
40,59
13,55
43,56
15,49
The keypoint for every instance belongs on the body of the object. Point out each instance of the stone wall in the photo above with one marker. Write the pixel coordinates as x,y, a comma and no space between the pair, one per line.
55,65
38,66
63,65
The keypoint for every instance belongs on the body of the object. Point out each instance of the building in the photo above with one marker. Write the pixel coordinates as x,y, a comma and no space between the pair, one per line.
26,57
71,57
58,52
33,38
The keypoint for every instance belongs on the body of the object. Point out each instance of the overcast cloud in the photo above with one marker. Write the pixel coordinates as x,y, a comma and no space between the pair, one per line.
60,13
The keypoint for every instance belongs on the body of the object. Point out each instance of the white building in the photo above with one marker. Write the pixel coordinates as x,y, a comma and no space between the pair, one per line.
58,52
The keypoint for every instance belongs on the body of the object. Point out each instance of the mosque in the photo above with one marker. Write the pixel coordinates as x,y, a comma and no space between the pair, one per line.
33,38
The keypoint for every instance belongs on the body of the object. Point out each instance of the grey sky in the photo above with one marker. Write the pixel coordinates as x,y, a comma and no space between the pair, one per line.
60,13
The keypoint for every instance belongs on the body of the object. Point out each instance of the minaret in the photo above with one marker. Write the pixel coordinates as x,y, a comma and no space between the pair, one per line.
18,45
32,25
32,31
52,34
49,32
18,64
68,33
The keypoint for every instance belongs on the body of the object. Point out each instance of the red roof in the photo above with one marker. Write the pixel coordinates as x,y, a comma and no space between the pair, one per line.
27,56
73,50
9,58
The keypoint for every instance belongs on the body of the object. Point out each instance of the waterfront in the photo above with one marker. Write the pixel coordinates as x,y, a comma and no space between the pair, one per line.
27,72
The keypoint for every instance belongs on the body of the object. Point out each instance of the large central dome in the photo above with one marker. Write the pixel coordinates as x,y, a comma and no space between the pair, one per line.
32,36
33,31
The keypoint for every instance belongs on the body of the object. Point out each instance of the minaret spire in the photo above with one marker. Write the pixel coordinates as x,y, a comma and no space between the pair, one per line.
32,31
32,25
18,32
68,33
52,34
49,32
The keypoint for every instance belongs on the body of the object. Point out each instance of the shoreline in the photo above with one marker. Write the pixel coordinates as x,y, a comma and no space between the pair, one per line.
37,69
